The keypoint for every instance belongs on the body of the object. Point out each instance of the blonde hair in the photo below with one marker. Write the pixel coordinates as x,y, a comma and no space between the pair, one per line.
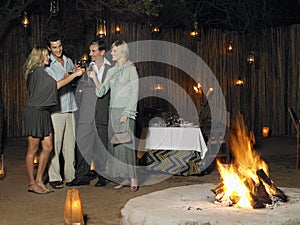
35,59
123,47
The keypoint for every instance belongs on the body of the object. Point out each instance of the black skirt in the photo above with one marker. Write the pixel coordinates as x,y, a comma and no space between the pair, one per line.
36,122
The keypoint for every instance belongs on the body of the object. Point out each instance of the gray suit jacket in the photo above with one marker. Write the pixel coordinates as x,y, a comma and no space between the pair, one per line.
91,122
102,105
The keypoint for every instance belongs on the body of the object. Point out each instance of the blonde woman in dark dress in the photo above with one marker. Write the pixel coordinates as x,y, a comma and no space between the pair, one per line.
122,81
37,125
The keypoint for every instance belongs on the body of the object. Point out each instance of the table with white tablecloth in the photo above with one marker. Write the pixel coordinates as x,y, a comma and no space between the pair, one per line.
174,150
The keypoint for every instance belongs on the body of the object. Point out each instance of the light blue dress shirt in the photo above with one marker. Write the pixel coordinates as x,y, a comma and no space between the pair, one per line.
66,94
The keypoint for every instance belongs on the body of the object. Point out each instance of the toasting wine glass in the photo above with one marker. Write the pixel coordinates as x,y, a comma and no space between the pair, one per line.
73,83
89,71
70,70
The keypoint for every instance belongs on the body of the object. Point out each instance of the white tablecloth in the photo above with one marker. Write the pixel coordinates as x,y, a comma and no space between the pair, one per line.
176,138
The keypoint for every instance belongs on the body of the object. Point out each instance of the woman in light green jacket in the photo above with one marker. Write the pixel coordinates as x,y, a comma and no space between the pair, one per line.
122,81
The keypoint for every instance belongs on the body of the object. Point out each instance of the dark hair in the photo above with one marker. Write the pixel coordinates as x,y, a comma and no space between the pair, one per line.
52,38
101,44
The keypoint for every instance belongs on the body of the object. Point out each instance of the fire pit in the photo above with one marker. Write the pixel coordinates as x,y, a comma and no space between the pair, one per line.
245,181
245,194
194,205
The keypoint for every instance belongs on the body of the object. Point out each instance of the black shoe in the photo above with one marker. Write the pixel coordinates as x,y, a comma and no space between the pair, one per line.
101,182
56,184
91,174
77,182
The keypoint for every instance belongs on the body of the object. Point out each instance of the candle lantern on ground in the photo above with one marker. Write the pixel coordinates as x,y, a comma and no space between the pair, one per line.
36,160
73,208
265,131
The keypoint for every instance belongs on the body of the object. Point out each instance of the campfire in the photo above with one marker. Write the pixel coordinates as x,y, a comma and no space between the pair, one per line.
245,182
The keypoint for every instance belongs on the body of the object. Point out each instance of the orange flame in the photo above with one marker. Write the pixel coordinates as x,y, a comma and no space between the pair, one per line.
240,177
198,88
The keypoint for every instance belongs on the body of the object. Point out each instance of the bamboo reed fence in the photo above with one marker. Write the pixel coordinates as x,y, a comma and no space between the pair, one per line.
271,82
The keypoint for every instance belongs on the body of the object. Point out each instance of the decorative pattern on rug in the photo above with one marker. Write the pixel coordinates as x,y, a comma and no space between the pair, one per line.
182,163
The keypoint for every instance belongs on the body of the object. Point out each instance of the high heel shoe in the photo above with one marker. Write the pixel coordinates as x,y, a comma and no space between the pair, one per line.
134,188
122,184
134,185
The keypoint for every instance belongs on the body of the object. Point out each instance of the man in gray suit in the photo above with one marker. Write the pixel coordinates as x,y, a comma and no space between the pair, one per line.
91,125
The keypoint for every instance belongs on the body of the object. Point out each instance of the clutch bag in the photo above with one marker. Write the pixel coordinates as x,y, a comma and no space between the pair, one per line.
121,137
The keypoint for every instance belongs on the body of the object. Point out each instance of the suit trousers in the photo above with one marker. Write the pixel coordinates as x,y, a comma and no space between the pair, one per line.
64,141
99,156
82,167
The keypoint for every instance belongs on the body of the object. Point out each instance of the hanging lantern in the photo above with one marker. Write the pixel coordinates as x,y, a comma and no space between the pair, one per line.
83,60
265,131
73,208
239,82
195,32
25,20
230,46
84,57
117,29
101,28
250,58
155,29
2,170
158,87
54,7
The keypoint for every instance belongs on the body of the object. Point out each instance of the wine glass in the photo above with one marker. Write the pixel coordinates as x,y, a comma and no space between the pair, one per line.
70,71
89,71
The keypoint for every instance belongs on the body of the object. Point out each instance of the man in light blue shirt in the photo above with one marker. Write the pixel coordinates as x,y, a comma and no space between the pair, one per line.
62,115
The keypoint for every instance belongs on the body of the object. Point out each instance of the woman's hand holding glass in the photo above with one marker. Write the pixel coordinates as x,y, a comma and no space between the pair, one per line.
91,74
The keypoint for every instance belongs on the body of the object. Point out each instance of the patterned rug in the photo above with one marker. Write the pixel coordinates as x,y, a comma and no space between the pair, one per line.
182,163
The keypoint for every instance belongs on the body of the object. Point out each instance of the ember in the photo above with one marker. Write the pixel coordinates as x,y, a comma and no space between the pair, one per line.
245,181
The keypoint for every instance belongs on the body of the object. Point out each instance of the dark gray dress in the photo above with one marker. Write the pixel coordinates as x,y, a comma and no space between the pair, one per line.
41,95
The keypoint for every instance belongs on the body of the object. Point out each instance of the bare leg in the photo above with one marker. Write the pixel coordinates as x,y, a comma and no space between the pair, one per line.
33,145
47,146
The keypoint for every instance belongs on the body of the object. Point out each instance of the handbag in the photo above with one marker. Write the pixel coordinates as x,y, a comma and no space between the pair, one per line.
121,137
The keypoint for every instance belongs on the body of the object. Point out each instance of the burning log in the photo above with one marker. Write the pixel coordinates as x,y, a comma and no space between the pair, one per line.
245,182
219,188
275,191
258,197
